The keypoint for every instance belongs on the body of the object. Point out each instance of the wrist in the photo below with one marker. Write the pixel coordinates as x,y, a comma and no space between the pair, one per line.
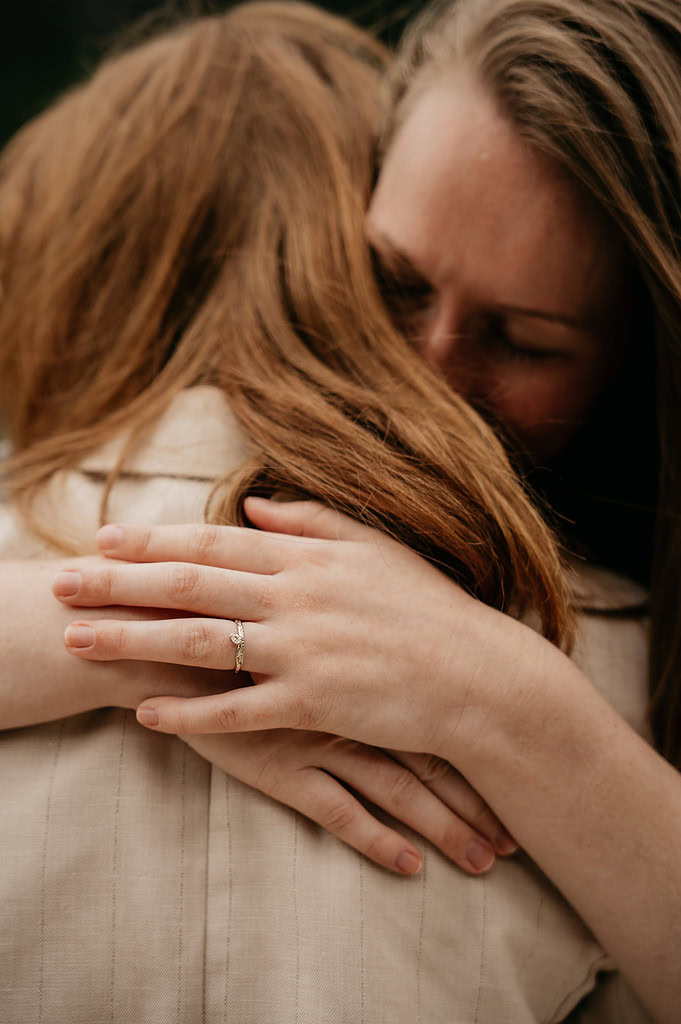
525,702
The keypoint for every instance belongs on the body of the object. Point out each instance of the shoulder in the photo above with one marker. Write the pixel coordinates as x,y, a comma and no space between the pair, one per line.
611,644
197,437
166,479
595,589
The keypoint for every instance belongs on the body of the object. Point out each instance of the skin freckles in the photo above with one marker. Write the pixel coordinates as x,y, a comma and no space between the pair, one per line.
513,285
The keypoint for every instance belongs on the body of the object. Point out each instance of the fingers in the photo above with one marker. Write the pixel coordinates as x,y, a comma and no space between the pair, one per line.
286,766
201,643
451,789
319,797
303,519
267,706
228,547
397,790
201,589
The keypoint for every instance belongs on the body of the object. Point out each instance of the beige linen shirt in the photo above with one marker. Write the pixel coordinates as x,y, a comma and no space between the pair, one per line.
141,885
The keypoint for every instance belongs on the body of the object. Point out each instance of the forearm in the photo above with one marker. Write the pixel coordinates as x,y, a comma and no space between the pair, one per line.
595,807
40,681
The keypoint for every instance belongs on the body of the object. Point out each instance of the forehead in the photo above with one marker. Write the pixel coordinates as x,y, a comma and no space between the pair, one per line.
468,201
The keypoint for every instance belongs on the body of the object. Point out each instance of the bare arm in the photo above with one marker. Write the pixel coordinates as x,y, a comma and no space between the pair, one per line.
594,805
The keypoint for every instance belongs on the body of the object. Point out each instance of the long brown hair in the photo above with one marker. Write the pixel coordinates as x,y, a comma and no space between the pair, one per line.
595,85
195,214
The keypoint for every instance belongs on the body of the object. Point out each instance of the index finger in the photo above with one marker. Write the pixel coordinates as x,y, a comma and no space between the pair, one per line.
226,547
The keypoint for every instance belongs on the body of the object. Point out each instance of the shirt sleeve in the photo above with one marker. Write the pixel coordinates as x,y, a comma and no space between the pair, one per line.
611,1002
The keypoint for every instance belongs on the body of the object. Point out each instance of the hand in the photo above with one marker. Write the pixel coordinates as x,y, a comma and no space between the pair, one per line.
359,636
303,769
39,682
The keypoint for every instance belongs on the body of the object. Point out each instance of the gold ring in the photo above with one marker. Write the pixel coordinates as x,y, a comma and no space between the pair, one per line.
239,642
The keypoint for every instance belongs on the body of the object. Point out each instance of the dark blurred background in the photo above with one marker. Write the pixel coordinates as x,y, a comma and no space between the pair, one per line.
46,45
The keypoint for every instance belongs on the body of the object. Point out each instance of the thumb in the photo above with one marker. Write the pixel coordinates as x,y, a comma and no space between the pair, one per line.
304,519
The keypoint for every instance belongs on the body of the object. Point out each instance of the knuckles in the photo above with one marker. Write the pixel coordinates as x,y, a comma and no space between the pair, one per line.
317,555
227,718
205,543
432,769
375,849
111,641
184,583
404,787
484,820
140,543
296,710
117,641
194,642
307,712
98,587
338,816
454,838
265,598
306,596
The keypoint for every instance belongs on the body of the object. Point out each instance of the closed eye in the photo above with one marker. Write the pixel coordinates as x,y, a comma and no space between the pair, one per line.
499,342
404,291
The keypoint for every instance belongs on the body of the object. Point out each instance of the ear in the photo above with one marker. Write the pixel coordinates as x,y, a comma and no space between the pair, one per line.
304,519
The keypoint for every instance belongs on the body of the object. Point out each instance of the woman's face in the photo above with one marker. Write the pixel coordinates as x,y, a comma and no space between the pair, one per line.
504,275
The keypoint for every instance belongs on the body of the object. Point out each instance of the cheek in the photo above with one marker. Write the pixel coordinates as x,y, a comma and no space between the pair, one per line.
542,406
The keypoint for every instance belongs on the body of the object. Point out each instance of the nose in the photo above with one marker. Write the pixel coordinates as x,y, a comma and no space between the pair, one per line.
449,346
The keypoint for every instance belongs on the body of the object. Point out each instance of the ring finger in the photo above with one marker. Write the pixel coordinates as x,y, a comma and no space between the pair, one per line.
205,643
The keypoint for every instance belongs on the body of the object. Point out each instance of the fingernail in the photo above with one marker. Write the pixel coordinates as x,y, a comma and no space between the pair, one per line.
504,842
109,537
479,856
80,636
147,716
67,583
408,863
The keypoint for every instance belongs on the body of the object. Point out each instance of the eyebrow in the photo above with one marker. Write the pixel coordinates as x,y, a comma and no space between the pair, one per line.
555,318
398,261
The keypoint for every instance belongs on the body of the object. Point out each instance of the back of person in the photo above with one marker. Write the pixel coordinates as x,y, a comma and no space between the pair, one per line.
141,883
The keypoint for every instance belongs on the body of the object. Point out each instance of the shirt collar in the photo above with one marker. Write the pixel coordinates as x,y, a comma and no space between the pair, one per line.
197,437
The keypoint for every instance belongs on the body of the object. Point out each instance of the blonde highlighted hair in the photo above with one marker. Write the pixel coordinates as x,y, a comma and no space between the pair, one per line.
195,214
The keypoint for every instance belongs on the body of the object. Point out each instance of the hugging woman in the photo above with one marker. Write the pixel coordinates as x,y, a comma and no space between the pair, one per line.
185,264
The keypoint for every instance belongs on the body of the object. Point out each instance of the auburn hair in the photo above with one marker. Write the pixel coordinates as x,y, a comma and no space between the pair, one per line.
194,214
595,86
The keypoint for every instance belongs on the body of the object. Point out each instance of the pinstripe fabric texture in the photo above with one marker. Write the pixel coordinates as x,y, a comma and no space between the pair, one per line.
140,885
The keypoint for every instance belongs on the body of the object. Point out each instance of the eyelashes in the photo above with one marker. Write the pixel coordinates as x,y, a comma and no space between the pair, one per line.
405,293
408,298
